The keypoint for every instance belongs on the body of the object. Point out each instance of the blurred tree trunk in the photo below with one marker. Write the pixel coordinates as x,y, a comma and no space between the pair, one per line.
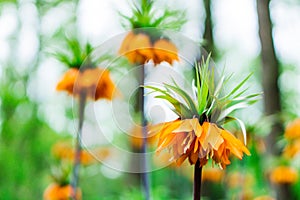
270,75
270,72
208,29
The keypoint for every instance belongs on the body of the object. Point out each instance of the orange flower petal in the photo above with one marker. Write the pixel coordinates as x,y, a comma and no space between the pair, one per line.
165,51
193,158
181,159
213,137
68,80
126,42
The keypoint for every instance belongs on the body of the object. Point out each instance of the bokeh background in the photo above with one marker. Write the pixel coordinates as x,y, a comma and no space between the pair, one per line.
34,117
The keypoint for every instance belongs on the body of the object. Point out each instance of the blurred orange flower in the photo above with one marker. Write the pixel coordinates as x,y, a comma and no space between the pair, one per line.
235,178
212,174
139,49
292,130
264,197
188,139
292,149
136,137
65,151
95,82
60,192
283,175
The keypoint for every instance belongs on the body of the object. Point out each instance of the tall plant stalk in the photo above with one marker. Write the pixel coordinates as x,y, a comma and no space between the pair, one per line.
76,167
197,181
144,163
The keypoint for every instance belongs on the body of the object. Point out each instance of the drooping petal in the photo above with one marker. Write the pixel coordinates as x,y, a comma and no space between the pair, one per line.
185,126
165,51
68,80
213,137
181,159
126,42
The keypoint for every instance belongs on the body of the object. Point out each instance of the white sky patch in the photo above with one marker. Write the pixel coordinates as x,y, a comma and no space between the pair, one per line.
99,20
287,31
8,24
236,26
53,19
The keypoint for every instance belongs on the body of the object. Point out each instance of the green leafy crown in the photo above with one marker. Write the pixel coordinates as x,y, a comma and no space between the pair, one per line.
207,102
144,16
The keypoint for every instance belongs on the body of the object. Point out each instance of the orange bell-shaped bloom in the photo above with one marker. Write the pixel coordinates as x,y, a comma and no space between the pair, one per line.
188,139
95,83
284,175
60,192
139,49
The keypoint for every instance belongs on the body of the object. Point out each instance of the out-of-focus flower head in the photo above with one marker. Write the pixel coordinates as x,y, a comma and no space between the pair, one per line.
146,41
60,187
237,179
292,149
197,133
292,130
264,197
60,192
65,151
212,174
283,175
84,77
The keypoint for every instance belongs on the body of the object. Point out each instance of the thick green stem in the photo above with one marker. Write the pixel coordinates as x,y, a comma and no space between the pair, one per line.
75,175
197,181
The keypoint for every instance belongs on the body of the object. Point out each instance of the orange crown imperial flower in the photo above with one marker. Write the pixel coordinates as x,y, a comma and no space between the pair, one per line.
197,134
188,139
146,41
84,77
139,49
60,187
284,175
62,192
94,82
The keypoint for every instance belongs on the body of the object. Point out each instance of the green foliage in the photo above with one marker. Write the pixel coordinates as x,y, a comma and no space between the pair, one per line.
25,142
145,16
75,54
209,103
